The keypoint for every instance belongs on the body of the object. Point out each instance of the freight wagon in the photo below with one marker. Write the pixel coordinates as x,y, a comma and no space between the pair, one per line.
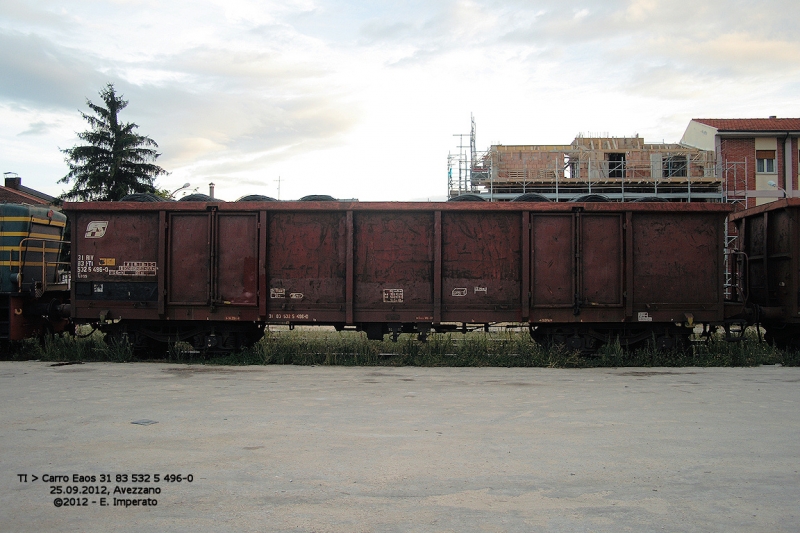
769,242
214,274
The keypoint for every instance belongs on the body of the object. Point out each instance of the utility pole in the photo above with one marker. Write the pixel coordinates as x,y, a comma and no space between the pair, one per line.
463,164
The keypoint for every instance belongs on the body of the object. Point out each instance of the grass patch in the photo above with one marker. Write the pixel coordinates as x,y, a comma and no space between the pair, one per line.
71,349
476,349
353,349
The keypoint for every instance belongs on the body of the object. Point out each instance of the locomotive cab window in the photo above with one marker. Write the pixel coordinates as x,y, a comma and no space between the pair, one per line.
765,161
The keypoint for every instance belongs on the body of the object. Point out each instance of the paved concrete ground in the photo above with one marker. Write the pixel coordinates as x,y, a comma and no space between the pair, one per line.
402,449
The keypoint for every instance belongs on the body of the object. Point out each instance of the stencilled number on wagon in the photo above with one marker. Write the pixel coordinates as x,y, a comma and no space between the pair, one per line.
275,292
85,265
393,295
459,291
135,268
644,316
96,229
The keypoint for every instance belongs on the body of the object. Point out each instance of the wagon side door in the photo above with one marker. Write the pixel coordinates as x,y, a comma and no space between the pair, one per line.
189,258
235,271
213,259
552,251
576,264
599,257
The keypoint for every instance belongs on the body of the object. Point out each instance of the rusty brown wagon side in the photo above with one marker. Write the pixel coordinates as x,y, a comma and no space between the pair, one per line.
215,273
634,272
769,243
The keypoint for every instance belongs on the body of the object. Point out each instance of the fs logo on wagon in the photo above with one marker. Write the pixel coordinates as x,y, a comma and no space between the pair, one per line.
96,229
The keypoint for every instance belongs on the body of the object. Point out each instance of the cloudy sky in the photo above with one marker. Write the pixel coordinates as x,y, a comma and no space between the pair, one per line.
362,99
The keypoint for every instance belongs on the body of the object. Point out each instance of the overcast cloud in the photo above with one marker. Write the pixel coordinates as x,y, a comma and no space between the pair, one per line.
362,99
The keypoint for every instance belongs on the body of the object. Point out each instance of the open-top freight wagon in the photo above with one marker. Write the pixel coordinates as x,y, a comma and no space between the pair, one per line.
214,273
769,243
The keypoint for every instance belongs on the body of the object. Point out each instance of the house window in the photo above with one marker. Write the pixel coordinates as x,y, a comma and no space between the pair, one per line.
674,166
616,165
570,167
765,161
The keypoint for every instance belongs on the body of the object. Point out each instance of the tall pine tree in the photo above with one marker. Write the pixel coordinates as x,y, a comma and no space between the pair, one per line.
115,160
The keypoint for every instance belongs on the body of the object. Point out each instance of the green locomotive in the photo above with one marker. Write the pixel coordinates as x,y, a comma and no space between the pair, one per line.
34,287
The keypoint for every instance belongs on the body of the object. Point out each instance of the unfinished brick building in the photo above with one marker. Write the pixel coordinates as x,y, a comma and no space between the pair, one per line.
620,168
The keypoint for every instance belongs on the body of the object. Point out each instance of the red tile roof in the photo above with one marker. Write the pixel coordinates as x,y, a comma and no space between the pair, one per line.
751,124
9,195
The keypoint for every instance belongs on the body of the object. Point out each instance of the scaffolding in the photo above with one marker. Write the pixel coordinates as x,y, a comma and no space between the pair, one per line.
734,180
467,166
621,168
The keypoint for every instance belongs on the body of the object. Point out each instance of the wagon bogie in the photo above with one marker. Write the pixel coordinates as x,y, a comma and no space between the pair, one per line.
155,337
588,338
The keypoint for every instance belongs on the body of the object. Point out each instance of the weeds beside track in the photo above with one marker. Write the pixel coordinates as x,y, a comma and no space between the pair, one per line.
476,349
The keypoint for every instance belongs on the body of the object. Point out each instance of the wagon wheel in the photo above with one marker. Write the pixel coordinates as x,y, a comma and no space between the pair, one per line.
548,339
120,347
116,337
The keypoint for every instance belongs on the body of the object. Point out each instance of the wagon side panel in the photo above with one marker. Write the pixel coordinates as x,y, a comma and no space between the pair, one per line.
481,266
189,259
393,266
553,285
600,261
306,266
237,263
115,263
677,265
